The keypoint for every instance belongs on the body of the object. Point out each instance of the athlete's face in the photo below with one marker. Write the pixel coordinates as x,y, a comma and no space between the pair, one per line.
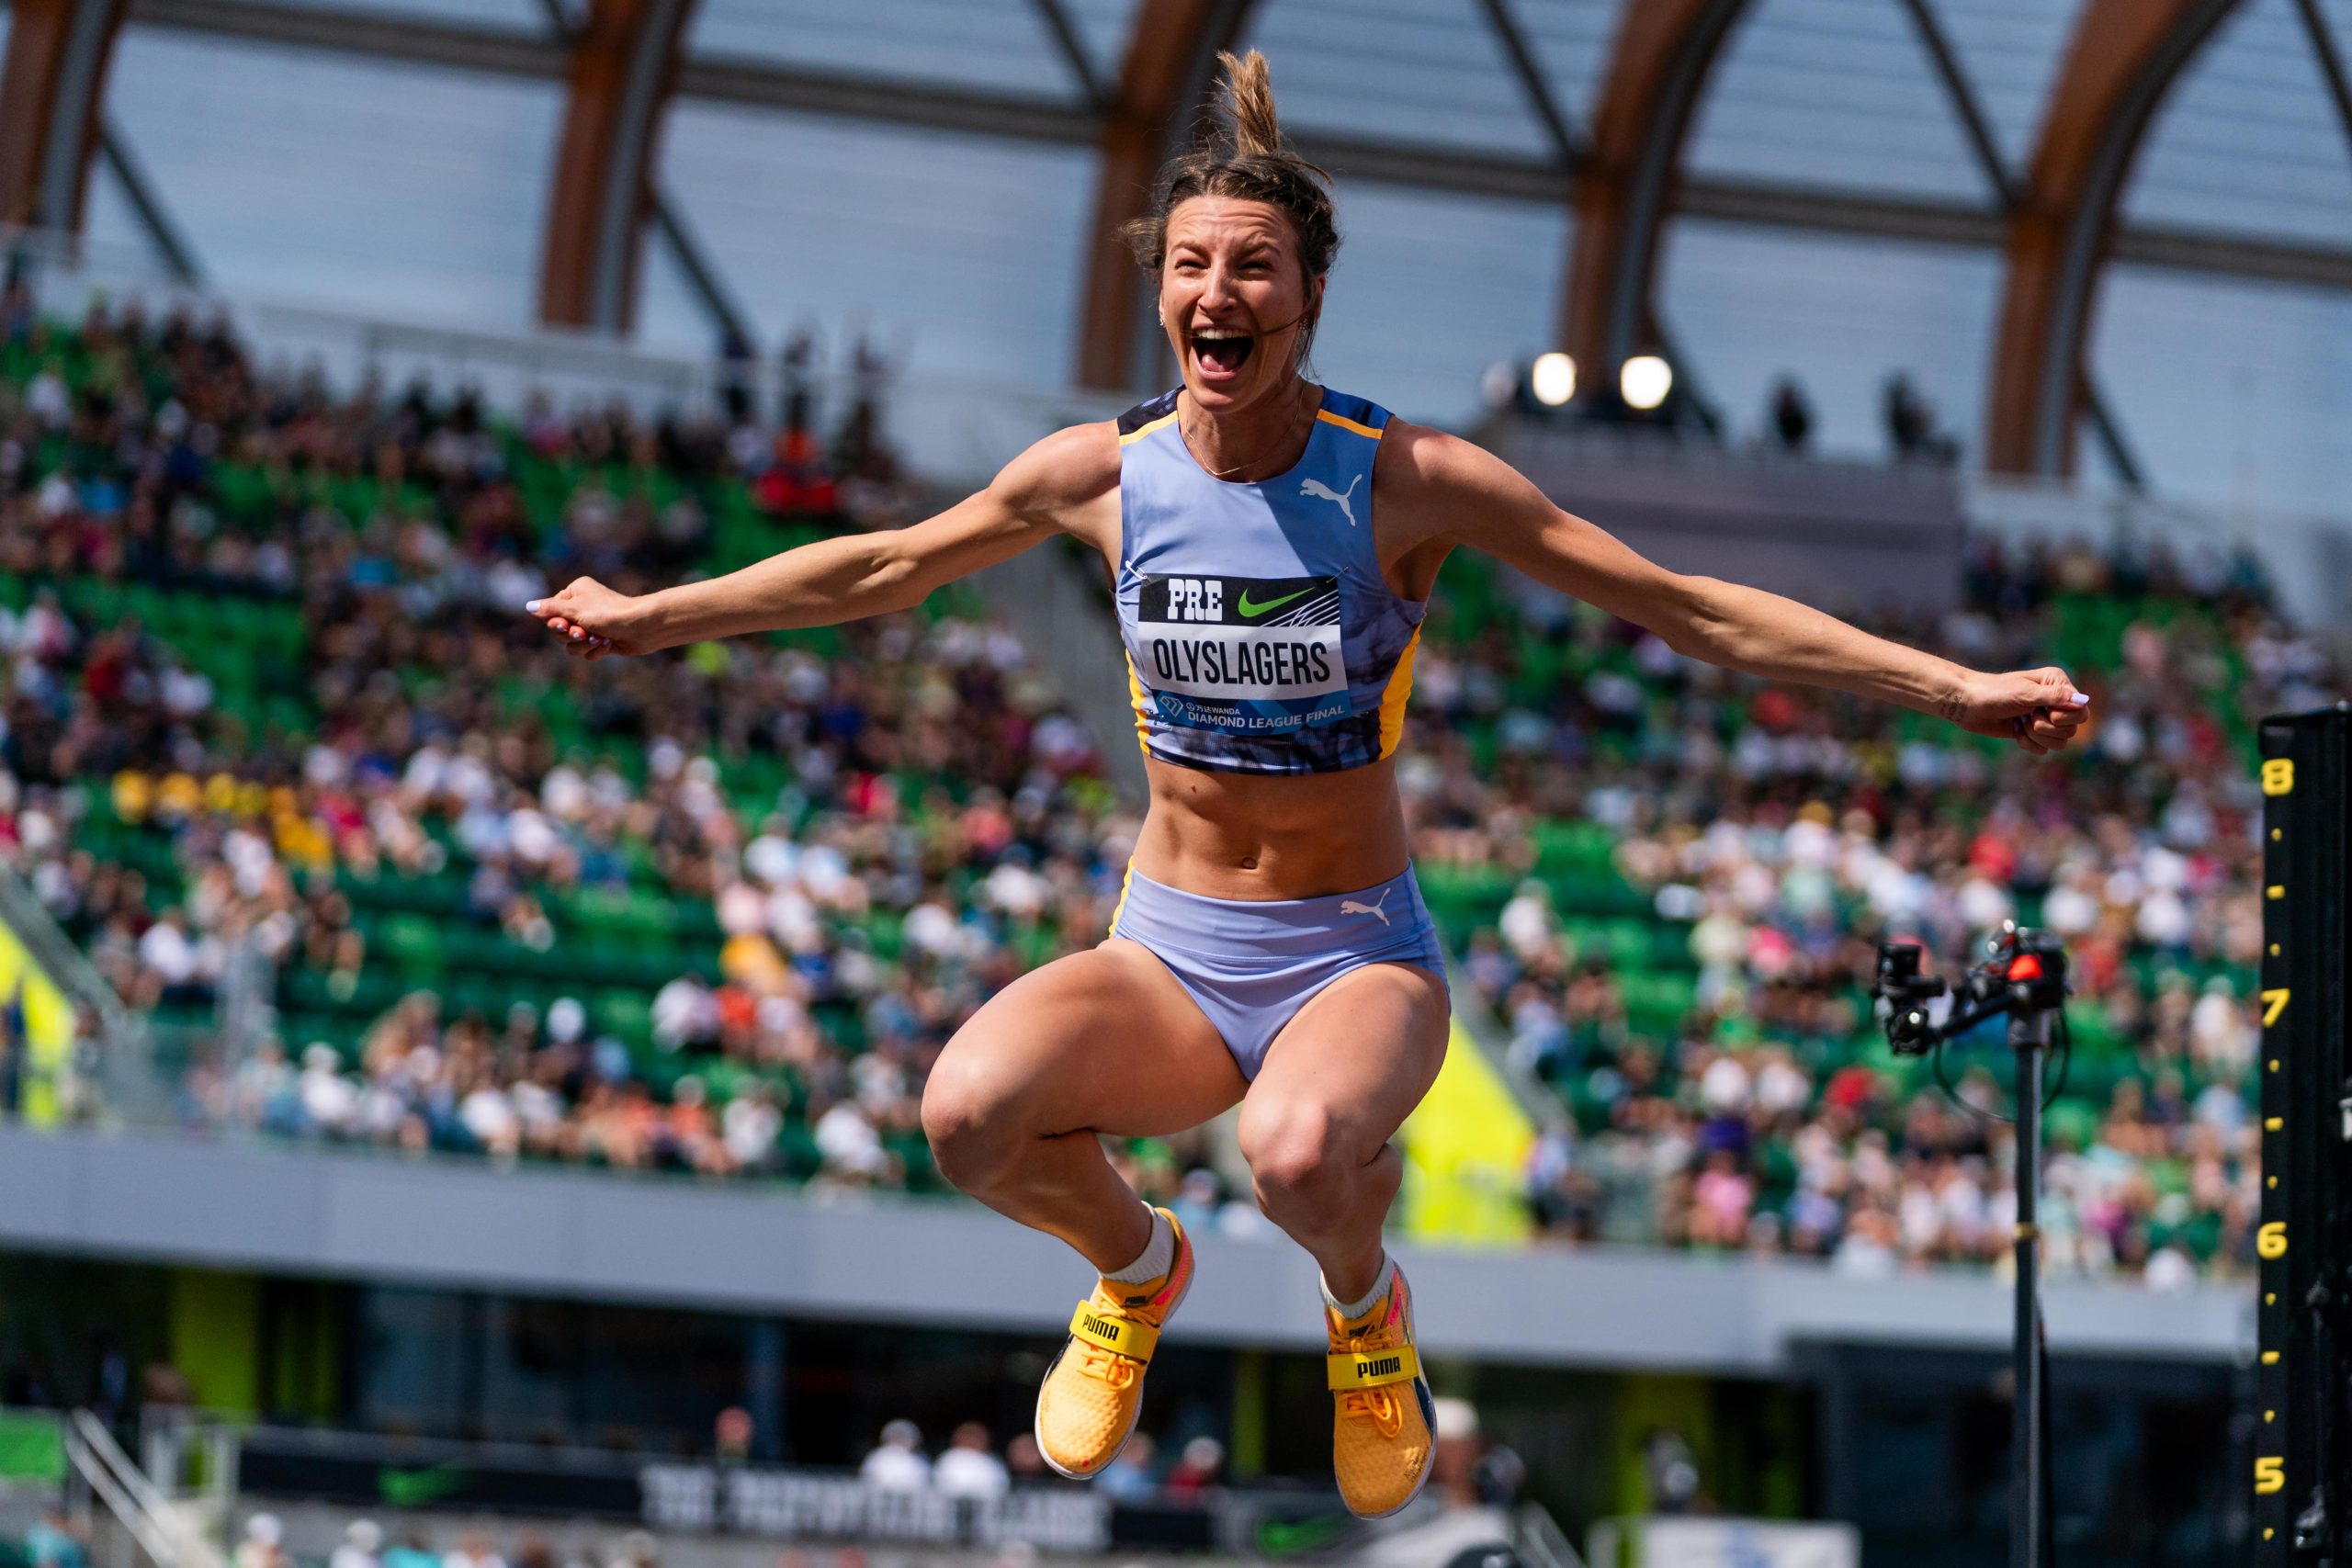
1234,301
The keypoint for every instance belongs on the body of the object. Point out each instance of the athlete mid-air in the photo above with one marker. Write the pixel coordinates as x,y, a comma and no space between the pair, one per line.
1271,545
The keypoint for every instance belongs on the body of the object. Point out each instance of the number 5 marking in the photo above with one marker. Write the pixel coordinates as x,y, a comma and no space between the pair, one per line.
2269,1475
2273,1004
2278,776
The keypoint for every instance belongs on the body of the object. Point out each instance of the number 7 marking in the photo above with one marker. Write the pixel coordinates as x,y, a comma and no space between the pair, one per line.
2273,1004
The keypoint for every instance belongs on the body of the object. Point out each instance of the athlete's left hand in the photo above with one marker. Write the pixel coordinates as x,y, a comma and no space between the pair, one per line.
2039,709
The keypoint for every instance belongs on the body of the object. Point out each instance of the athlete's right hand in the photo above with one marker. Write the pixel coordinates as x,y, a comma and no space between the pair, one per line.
593,620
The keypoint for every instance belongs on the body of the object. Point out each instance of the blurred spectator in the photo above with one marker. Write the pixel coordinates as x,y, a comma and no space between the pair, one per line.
731,1435
1791,415
473,1551
898,1464
969,1468
262,1544
359,1548
1129,1478
53,1541
1197,1467
1911,423
412,1552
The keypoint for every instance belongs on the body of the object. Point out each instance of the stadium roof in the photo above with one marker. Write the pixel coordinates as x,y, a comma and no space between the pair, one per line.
2020,201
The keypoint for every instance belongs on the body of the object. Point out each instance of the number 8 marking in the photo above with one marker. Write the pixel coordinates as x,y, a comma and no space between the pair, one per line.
2278,776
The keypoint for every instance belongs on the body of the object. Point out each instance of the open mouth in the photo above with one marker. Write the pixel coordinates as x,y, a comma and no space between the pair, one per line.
1221,352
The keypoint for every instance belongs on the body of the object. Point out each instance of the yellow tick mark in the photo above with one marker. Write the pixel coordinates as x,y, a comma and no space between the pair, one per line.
2275,890
2270,1358
2274,1123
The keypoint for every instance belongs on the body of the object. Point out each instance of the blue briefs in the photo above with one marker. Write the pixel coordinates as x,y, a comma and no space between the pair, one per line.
1251,963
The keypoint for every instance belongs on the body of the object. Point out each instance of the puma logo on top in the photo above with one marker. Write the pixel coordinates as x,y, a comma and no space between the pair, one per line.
1348,906
1322,491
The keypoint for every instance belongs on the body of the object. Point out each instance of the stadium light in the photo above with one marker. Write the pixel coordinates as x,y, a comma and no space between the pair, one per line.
1553,378
1646,380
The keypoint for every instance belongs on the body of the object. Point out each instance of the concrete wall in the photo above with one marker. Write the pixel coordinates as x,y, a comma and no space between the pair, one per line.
275,1209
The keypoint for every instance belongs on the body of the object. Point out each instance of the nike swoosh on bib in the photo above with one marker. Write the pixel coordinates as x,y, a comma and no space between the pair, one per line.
1252,611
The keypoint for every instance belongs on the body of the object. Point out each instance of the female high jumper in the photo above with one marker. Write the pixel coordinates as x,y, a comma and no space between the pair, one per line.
1271,545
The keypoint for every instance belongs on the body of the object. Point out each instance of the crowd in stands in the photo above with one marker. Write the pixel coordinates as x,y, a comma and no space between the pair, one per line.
1725,1088
273,712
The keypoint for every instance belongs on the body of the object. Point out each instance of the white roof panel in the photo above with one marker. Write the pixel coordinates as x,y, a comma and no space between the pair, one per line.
1426,71
1839,315
1832,93
2238,394
2247,140
1429,289
961,254
1001,46
361,183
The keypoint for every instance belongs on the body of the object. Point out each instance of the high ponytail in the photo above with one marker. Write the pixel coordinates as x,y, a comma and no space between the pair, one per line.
1242,156
1250,100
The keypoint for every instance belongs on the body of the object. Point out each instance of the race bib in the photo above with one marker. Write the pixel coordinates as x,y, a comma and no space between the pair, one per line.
1245,654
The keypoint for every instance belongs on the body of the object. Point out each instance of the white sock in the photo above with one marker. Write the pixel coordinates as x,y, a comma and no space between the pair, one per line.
1351,1310
1158,1254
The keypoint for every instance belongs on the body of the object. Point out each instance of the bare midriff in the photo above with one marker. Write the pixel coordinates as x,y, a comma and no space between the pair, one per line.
1258,836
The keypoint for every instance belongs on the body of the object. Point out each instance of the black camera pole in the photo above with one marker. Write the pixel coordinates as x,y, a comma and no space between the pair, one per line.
2030,1534
2026,979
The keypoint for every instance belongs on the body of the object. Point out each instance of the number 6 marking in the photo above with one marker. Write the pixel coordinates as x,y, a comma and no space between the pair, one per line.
2278,776
2269,1475
2271,1241
2273,1004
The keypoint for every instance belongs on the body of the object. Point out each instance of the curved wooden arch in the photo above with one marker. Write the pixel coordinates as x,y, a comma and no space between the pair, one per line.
2124,55
624,63
1161,88
51,87
1665,50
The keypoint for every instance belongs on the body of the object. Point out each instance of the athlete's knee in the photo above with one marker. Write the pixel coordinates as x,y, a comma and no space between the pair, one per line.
1296,1152
974,1125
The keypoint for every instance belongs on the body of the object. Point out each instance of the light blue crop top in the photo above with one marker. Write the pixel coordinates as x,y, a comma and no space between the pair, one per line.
1261,635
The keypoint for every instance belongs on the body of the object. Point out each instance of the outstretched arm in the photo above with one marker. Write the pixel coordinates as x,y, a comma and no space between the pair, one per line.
1489,505
855,575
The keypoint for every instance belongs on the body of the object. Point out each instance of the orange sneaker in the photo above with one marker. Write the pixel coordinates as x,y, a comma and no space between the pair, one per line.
1384,1424
1086,1411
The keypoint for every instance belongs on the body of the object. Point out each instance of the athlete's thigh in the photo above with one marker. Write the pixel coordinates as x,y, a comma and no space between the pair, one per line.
1356,1058
1104,1039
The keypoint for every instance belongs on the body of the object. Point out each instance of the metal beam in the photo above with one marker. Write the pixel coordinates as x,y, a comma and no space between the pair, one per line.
1566,140
703,277
623,64
2105,423
53,82
1664,51
1065,32
165,233
2125,53
1160,95
1963,102
2331,64
702,274
456,45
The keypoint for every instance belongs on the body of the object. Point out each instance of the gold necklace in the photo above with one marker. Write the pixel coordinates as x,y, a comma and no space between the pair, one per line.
1287,431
